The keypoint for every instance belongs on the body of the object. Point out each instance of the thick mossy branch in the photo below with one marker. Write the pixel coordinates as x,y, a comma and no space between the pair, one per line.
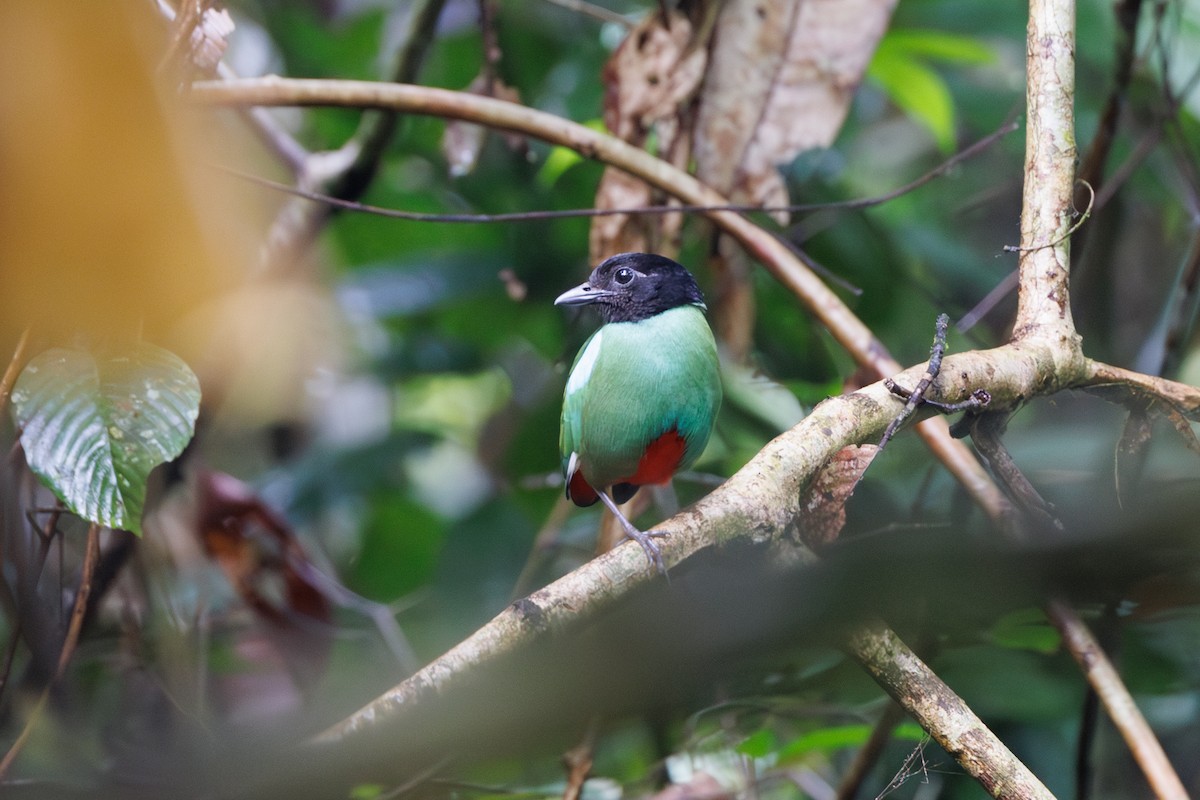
758,504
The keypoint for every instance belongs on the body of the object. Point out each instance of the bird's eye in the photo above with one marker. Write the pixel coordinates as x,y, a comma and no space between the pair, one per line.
624,275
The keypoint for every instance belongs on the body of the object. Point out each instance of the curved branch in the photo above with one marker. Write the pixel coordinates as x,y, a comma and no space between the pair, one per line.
819,299
1180,396
759,503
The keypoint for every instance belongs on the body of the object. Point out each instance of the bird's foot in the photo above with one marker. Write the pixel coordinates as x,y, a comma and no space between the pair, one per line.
646,540
652,550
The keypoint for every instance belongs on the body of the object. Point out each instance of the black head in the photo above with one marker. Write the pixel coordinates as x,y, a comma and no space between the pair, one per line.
635,286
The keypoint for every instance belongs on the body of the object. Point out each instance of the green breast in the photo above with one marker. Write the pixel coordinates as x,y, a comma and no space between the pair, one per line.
633,382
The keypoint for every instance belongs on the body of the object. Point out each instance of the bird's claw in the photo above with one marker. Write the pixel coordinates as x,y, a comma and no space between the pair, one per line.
652,551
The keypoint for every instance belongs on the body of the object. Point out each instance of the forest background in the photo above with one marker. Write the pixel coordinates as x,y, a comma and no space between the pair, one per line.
374,472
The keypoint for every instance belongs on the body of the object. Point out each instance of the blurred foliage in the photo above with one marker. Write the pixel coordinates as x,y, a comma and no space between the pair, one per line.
419,467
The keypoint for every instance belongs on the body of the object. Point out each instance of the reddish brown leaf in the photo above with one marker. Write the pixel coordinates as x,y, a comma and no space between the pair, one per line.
780,79
823,507
267,566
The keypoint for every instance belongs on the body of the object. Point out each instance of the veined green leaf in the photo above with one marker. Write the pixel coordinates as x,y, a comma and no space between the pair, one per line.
93,427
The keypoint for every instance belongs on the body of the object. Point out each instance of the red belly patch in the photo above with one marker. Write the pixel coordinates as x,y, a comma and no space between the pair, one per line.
657,464
660,460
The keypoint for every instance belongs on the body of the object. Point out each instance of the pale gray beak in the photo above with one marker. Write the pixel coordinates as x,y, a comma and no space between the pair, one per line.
581,295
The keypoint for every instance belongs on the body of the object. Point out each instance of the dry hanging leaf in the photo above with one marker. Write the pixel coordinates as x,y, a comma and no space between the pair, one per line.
780,80
462,142
823,507
622,233
650,82
1131,452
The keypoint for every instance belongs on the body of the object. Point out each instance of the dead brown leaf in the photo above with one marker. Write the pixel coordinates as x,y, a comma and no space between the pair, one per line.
780,79
1131,451
462,142
650,82
823,507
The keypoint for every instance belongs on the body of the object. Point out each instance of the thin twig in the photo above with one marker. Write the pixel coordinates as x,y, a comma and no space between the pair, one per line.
14,366
90,554
68,648
347,172
916,396
1089,715
1099,671
543,542
570,213
594,11
1087,212
869,753
1124,713
986,430
1091,170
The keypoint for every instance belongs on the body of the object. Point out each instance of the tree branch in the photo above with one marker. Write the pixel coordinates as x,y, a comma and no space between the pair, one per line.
1044,300
819,299
944,715
759,503
346,172
1104,680
1044,313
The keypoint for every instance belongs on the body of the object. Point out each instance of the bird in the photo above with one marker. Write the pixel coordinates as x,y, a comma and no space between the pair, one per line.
644,390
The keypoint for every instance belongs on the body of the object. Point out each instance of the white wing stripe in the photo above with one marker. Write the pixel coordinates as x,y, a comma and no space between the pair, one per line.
587,362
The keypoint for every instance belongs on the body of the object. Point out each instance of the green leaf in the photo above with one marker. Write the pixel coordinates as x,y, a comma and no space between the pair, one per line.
758,744
1027,629
918,90
93,427
561,159
400,547
940,46
760,397
839,737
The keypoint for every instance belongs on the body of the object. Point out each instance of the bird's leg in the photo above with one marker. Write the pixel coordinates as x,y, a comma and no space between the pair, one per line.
645,539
